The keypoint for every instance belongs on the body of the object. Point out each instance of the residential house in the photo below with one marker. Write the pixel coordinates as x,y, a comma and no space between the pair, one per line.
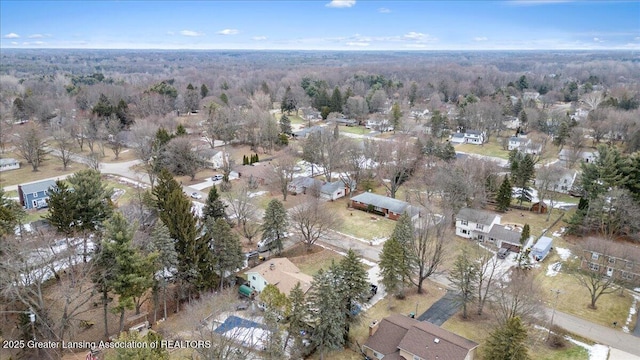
213,158
337,189
381,125
564,182
401,337
311,114
530,95
568,155
304,132
35,195
257,173
517,142
618,260
505,237
383,205
469,137
9,164
300,185
344,121
281,273
475,224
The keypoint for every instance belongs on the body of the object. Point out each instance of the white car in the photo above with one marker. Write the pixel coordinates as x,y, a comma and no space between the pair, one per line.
195,195
216,178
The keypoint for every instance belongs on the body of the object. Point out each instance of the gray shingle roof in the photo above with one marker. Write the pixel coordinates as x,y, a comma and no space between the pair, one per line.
8,161
501,233
395,205
476,216
38,186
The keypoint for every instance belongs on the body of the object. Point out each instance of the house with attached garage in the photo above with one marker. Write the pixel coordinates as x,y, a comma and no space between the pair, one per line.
281,273
35,195
562,182
469,137
401,337
383,205
9,164
507,237
475,224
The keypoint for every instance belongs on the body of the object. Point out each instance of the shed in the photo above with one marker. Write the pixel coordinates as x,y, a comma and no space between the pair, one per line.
246,291
539,207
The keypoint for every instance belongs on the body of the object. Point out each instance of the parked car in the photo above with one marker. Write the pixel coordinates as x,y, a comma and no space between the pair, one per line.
216,177
503,253
196,195
373,289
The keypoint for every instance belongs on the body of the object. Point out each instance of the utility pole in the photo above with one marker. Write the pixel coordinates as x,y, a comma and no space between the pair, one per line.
553,312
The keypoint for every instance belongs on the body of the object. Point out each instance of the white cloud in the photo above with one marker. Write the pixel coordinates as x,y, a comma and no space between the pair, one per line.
35,36
357,43
38,43
341,3
11,36
480,38
384,10
637,38
414,35
259,38
228,32
598,40
14,43
190,33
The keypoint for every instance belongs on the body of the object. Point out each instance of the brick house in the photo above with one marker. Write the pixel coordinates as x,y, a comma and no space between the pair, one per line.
382,205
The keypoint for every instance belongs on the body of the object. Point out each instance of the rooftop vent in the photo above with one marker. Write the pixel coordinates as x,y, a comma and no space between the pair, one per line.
436,340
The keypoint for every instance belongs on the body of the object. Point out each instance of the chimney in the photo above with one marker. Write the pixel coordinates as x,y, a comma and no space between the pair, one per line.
373,327
272,266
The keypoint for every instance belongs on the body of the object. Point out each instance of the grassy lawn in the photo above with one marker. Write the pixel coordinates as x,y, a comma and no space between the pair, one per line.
359,130
537,222
492,148
49,168
310,263
574,299
359,223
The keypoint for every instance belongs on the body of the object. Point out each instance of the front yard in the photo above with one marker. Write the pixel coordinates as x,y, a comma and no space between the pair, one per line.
360,224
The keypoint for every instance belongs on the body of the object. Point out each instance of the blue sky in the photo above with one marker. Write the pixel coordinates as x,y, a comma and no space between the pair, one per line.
321,25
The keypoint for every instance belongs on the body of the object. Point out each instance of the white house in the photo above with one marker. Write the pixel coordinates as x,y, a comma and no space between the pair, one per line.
9,164
279,272
213,158
524,145
335,190
563,183
474,137
475,224
569,155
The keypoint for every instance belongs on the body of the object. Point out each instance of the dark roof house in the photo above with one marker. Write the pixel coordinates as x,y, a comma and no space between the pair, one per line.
389,207
401,337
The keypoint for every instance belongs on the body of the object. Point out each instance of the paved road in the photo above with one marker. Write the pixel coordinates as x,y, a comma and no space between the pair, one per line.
442,309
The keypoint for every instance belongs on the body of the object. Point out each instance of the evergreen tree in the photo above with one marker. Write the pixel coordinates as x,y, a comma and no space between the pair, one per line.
103,278
226,248
560,138
275,223
132,271
214,207
508,342
162,138
336,101
391,266
503,198
149,347
517,108
448,152
285,125
413,94
354,288
523,256
396,115
180,130
167,260
464,276
289,102
327,311
92,199
296,314
11,214
204,91
61,208
403,234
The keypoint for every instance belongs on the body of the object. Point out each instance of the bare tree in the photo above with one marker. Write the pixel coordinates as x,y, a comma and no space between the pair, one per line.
312,220
396,161
352,166
324,149
593,99
593,271
143,137
429,246
63,146
547,181
244,210
488,273
181,158
31,145
517,297
282,173
115,135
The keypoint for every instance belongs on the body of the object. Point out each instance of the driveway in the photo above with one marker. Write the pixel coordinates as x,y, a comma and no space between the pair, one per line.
442,309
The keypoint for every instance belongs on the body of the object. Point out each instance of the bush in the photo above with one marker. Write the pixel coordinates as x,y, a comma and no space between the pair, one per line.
557,338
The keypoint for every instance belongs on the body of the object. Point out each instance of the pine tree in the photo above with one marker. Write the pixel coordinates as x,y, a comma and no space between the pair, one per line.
204,91
413,94
403,234
396,115
391,266
275,223
11,214
226,249
523,256
285,125
180,130
448,152
132,271
167,260
355,288
463,276
257,158
296,315
335,104
508,342
327,311
61,208
214,207
503,198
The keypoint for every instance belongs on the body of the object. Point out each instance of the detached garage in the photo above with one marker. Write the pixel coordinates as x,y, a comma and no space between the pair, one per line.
505,237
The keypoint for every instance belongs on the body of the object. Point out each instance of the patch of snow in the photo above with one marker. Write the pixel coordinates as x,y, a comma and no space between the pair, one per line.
636,289
632,311
596,351
196,208
553,269
563,253
258,193
133,182
26,227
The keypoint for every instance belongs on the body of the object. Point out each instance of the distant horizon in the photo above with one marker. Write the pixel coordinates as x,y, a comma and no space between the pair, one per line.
330,50
322,25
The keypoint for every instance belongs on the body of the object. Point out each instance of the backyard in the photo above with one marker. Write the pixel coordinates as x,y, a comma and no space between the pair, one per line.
360,224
